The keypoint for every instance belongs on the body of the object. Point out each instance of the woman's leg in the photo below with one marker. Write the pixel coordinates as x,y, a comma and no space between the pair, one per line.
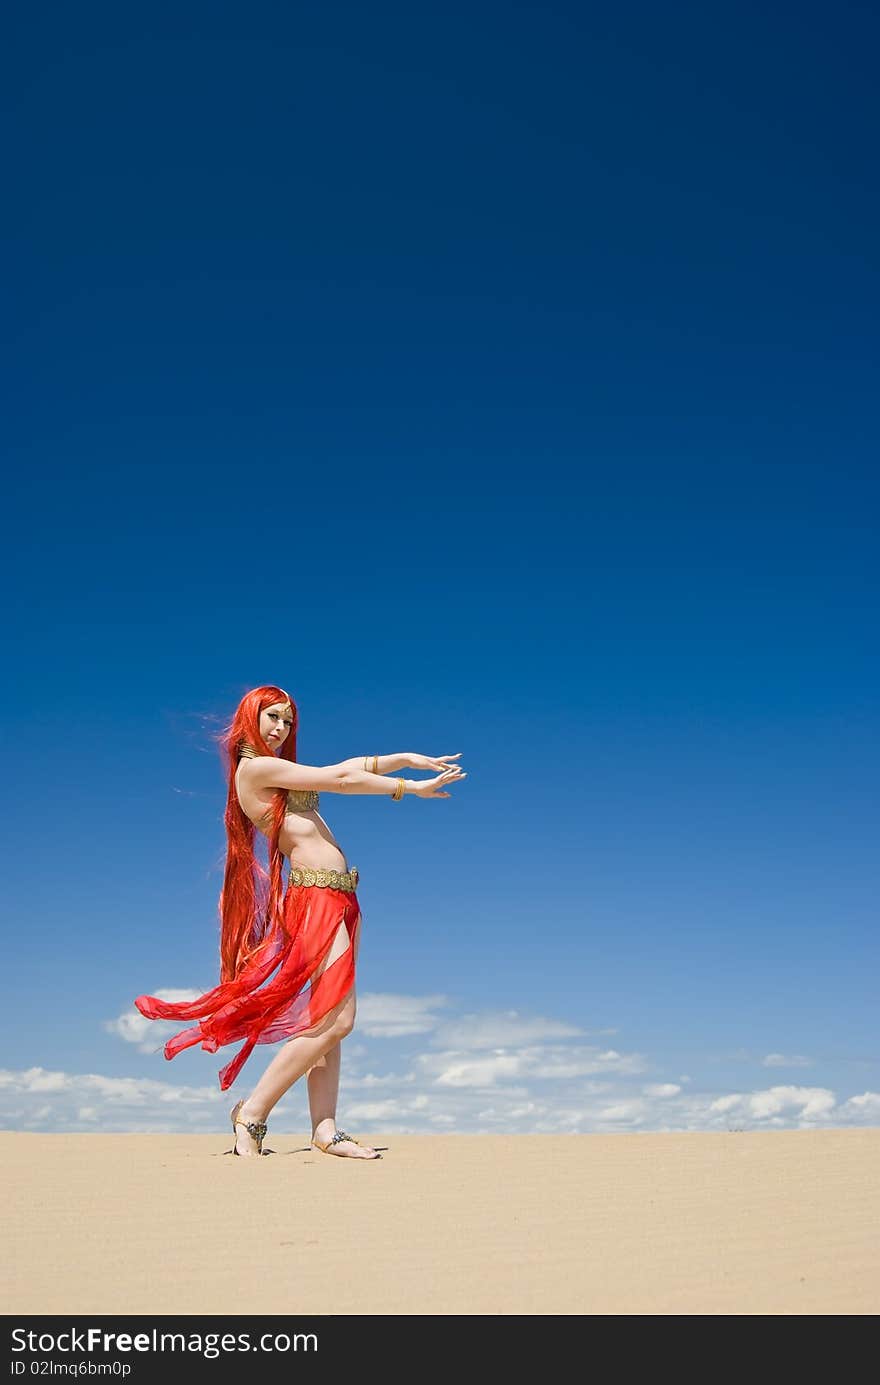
323,1094
323,1082
300,1053
294,1058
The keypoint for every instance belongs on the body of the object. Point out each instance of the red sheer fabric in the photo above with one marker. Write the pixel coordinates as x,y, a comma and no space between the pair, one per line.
294,1000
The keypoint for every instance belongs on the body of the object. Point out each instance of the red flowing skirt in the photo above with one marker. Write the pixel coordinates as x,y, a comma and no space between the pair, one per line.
264,1011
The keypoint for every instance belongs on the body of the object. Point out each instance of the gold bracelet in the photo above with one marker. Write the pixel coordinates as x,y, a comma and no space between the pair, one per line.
366,758
399,791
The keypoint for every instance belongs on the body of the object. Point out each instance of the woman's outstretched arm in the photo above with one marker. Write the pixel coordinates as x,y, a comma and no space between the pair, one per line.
270,772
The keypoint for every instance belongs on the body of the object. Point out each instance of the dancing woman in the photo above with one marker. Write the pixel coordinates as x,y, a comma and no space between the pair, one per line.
307,934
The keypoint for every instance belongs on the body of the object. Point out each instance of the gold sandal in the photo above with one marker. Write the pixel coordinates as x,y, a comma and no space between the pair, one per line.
256,1129
337,1139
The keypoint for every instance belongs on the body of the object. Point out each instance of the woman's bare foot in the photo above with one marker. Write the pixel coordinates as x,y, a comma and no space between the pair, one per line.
324,1133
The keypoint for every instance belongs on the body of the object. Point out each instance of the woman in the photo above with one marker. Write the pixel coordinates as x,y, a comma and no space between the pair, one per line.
308,934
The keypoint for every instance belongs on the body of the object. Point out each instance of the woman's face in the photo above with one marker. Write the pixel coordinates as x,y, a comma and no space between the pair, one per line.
276,723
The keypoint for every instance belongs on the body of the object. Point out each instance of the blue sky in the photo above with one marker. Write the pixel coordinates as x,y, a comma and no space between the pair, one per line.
496,381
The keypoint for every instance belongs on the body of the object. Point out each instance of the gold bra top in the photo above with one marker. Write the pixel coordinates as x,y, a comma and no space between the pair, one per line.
298,800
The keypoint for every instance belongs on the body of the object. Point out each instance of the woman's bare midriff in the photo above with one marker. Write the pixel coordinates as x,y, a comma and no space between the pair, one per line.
305,839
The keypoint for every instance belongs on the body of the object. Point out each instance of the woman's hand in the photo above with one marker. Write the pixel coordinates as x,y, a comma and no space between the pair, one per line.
440,762
435,788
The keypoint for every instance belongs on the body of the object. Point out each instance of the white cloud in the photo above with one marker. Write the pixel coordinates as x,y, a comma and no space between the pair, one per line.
464,1069
811,1103
725,1103
782,1060
797,1103
387,1016
864,1109
387,1079
118,1103
631,1112
39,1080
519,1102
379,1111
476,1072
502,1029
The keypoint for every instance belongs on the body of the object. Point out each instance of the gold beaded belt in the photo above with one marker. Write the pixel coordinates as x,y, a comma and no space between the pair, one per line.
333,879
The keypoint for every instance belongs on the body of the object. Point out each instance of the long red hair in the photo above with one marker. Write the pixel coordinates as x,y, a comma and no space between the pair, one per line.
250,900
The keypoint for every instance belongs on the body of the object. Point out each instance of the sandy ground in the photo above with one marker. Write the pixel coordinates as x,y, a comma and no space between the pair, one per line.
740,1222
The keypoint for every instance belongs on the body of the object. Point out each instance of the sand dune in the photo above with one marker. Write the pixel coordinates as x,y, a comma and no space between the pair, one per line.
741,1222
